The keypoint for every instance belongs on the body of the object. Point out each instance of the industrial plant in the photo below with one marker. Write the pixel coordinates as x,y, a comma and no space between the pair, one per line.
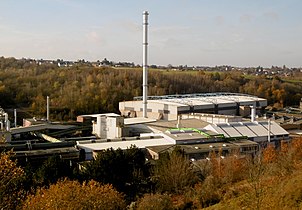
196,123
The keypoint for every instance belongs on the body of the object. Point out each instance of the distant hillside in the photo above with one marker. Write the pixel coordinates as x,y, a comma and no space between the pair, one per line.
82,89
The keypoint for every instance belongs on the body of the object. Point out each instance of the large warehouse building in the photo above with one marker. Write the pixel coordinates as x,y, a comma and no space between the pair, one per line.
170,106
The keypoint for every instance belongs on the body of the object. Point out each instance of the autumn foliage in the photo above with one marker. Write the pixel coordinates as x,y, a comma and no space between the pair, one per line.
155,202
11,177
68,194
85,89
268,180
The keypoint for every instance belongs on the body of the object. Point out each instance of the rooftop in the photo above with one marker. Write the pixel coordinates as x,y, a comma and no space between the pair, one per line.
204,147
123,144
249,129
204,98
137,120
185,123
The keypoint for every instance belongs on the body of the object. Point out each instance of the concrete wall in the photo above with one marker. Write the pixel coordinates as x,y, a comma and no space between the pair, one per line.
227,112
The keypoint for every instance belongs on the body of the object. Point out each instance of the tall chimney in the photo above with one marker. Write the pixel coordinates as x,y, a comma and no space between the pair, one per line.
145,62
47,108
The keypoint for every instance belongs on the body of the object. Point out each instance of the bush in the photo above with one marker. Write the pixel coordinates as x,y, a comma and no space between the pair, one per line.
155,202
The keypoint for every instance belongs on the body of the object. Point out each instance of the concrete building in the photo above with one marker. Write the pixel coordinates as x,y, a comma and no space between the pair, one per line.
255,131
91,148
105,126
37,151
202,151
212,118
196,143
169,107
199,143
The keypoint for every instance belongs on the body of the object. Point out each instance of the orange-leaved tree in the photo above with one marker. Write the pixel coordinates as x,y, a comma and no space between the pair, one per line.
11,177
68,194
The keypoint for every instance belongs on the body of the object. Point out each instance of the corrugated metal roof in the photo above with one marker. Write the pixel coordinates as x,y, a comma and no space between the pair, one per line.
244,130
217,129
249,129
257,128
230,130
274,128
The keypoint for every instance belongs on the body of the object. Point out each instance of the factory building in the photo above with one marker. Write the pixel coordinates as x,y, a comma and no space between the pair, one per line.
203,150
195,143
38,151
91,148
258,131
171,106
30,143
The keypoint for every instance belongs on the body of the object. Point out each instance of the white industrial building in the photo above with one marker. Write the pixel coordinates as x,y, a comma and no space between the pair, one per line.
262,131
152,133
93,147
169,107
112,126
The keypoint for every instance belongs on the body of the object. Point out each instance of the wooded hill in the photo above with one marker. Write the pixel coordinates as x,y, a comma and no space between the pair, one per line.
84,89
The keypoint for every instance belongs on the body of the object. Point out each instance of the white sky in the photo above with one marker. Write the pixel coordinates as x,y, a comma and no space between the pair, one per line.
181,32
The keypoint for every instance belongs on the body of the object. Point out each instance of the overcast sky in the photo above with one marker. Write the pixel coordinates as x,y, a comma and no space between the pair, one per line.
181,32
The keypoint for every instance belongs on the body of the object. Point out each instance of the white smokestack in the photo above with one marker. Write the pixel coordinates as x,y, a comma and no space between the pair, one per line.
145,62
47,108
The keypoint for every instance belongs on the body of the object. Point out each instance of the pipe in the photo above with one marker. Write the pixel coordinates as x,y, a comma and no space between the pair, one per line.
269,131
47,108
145,62
7,125
15,114
5,117
253,113
178,125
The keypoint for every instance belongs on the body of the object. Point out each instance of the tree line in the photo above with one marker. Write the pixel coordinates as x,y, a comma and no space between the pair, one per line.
82,89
